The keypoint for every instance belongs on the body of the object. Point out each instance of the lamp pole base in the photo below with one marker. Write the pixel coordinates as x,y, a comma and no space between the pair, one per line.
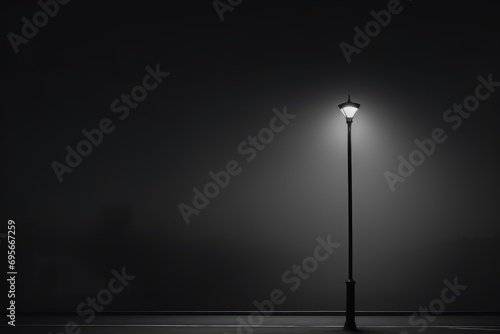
350,324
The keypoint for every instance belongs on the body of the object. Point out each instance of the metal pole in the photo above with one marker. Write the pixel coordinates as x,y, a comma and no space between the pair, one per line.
350,324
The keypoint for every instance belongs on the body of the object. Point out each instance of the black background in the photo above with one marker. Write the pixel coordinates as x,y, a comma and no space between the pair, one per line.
119,207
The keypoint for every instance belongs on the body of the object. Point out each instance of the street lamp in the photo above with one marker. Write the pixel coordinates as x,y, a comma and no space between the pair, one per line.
348,109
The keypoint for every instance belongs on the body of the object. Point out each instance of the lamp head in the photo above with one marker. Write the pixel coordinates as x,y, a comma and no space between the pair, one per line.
349,108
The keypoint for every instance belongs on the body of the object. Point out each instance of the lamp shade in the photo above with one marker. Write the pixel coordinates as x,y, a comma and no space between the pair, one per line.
349,108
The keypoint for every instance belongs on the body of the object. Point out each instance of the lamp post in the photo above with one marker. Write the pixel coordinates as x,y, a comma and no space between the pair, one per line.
348,109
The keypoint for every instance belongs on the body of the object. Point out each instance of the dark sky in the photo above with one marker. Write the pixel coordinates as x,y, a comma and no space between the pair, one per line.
227,81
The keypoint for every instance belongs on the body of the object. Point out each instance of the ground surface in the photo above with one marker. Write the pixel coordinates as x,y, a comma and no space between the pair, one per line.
231,324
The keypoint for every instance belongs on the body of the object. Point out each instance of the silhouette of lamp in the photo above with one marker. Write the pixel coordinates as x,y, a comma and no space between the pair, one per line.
348,109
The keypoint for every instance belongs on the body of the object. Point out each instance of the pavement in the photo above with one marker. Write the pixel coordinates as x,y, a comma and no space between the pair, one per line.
176,324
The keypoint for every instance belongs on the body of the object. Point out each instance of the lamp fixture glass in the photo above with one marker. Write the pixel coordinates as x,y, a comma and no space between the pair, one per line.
349,108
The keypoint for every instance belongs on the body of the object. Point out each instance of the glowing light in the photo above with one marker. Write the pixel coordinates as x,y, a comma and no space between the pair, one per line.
349,108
